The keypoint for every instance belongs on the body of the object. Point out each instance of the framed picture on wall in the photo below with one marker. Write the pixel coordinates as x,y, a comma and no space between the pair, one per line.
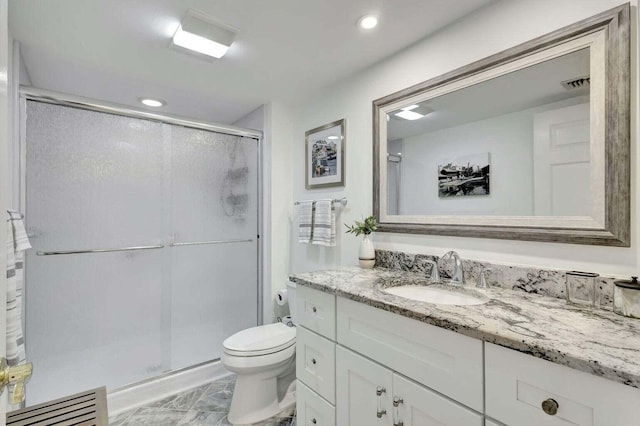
324,155
465,175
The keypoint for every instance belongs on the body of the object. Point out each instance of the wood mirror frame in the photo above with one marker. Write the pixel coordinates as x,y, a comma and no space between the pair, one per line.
614,115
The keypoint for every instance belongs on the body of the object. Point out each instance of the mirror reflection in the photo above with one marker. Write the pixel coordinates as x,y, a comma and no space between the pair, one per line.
514,145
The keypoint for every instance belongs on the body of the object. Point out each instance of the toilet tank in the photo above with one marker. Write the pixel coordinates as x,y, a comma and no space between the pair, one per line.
291,298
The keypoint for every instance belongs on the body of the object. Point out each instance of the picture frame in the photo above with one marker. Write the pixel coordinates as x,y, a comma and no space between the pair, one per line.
325,155
465,175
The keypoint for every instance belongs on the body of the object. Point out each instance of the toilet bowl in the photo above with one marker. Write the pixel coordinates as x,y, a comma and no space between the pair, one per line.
263,359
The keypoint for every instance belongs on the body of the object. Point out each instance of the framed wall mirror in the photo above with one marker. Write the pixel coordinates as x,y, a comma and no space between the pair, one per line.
531,143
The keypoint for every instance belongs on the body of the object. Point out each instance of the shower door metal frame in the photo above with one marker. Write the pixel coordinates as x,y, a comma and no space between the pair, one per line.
41,95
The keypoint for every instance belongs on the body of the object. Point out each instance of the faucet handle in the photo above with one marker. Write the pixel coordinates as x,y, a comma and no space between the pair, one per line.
482,278
434,276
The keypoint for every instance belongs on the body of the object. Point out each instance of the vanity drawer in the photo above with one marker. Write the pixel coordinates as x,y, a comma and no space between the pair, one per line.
316,363
443,360
517,384
311,409
316,311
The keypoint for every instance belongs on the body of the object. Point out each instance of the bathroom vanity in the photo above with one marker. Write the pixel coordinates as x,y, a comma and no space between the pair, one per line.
368,357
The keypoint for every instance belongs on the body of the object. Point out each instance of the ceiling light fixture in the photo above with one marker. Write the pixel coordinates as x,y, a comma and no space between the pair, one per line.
199,33
414,112
155,103
368,22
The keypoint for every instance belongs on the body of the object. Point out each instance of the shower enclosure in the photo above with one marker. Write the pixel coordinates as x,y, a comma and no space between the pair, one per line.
146,244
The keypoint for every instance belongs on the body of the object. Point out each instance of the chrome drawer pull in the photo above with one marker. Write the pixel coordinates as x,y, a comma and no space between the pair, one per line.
550,406
396,415
380,412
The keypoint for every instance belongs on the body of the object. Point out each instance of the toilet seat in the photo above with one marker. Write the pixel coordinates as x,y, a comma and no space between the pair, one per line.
260,340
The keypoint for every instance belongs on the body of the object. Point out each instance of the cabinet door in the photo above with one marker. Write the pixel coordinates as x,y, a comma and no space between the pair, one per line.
419,406
363,391
312,409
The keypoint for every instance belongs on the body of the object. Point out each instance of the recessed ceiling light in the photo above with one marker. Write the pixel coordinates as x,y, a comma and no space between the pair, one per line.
199,33
155,103
414,112
368,22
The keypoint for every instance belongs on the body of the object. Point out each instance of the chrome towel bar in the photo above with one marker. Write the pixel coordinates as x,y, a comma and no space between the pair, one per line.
197,243
55,253
342,201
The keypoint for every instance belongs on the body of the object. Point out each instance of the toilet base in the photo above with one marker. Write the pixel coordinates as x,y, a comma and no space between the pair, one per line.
255,399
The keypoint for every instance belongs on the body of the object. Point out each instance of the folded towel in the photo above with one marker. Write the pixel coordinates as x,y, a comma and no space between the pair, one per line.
18,233
305,221
17,242
324,224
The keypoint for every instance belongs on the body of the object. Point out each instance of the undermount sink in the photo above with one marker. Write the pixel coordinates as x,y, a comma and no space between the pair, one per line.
439,295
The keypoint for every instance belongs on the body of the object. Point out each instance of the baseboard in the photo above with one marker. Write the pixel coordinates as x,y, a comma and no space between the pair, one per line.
133,396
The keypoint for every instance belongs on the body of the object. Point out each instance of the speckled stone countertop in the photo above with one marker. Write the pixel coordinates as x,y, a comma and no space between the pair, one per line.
596,341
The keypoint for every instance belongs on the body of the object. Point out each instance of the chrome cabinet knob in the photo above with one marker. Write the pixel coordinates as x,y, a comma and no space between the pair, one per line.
314,309
550,406
313,361
313,421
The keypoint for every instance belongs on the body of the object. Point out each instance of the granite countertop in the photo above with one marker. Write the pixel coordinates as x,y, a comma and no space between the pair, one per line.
595,341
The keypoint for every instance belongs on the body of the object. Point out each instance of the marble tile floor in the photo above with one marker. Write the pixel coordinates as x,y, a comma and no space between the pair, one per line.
205,405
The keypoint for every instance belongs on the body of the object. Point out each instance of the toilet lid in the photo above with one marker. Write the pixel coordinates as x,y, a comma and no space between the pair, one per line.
261,340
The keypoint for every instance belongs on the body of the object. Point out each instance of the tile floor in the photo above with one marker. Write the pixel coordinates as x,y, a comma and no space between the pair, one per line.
204,405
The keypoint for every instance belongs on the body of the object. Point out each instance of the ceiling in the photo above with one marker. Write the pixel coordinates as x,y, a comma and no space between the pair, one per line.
529,87
285,50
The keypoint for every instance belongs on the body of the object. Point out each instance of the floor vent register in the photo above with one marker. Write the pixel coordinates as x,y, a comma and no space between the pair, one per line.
84,409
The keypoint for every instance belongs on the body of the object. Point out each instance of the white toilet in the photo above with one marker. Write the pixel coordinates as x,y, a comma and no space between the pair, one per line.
264,360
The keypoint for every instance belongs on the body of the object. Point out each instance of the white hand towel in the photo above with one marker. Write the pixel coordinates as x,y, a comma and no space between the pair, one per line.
19,234
305,221
324,224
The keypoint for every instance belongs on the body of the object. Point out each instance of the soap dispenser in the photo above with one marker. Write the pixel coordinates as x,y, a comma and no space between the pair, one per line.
626,297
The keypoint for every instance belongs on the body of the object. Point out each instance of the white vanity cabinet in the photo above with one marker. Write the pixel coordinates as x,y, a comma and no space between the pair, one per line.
358,365
526,391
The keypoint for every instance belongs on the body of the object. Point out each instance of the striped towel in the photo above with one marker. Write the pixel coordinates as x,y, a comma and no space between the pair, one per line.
324,227
17,242
305,221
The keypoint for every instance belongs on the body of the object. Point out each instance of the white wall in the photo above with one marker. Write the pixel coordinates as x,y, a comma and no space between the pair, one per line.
497,27
254,120
508,139
278,202
6,112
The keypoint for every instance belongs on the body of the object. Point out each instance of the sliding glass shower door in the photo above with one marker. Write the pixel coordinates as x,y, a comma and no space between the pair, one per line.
145,247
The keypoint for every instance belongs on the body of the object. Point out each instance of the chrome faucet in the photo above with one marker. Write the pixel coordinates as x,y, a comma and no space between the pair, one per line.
434,276
457,277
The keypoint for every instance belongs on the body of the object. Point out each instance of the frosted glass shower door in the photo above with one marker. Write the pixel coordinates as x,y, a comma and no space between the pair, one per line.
215,247
93,181
97,181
